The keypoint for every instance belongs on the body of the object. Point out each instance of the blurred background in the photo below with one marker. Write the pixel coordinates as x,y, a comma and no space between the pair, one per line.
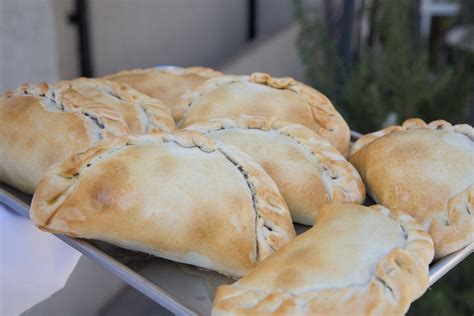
379,61
62,39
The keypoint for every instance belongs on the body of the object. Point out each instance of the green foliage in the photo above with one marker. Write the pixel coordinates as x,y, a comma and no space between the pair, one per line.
452,295
315,45
450,103
365,105
392,74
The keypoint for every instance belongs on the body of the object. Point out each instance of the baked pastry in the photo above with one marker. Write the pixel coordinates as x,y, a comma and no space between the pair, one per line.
426,170
142,113
178,196
164,83
309,171
41,126
356,260
261,95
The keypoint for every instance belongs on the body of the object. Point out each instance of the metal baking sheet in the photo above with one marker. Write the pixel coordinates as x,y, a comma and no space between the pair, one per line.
180,288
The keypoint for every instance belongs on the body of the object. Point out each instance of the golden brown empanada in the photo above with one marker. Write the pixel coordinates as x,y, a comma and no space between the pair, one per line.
426,170
356,260
309,171
41,125
261,95
164,83
178,196
142,113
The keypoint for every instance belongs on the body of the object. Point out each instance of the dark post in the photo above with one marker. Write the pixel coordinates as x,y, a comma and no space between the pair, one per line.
251,19
346,31
81,19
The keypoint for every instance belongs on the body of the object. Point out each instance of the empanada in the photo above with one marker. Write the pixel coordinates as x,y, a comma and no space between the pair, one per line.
179,196
261,95
427,171
41,126
356,260
142,113
309,171
164,83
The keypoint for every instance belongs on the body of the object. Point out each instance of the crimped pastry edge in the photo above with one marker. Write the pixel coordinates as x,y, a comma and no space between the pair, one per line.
331,124
158,115
110,122
346,183
413,123
273,223
197,70
458,231
400,277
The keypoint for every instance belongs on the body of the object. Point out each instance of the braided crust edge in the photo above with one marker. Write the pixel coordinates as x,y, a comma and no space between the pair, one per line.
399,277
346,184
413,123
273,222
158,115
108,119
330,123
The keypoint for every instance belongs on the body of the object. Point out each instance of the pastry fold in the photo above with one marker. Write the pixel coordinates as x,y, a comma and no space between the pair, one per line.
42,124
426,170
261,95
308,170
178,196
142,113
164,83
356,260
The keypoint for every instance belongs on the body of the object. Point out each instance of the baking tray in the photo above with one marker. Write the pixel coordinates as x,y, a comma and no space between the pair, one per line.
182,289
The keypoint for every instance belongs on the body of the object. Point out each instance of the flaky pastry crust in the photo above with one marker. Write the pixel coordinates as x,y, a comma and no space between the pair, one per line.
340,179
142,113
325,120
105,117
273,225
164,83
42,125
396,279
443,206
413,123
196,70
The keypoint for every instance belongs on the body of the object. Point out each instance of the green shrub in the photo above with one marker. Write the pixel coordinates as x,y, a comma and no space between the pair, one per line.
390,74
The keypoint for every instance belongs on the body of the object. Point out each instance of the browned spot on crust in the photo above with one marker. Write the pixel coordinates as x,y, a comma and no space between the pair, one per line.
287,278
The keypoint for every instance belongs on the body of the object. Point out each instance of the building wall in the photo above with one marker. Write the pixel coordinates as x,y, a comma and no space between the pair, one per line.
144,33
66,40
38,43
27,42
273,15
276,55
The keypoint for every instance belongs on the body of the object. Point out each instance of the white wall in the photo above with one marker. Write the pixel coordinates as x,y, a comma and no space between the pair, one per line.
37,43
273,15
66,40
143,33
276,55
25,42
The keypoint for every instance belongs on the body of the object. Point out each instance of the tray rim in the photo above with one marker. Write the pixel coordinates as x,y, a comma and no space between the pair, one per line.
132,278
